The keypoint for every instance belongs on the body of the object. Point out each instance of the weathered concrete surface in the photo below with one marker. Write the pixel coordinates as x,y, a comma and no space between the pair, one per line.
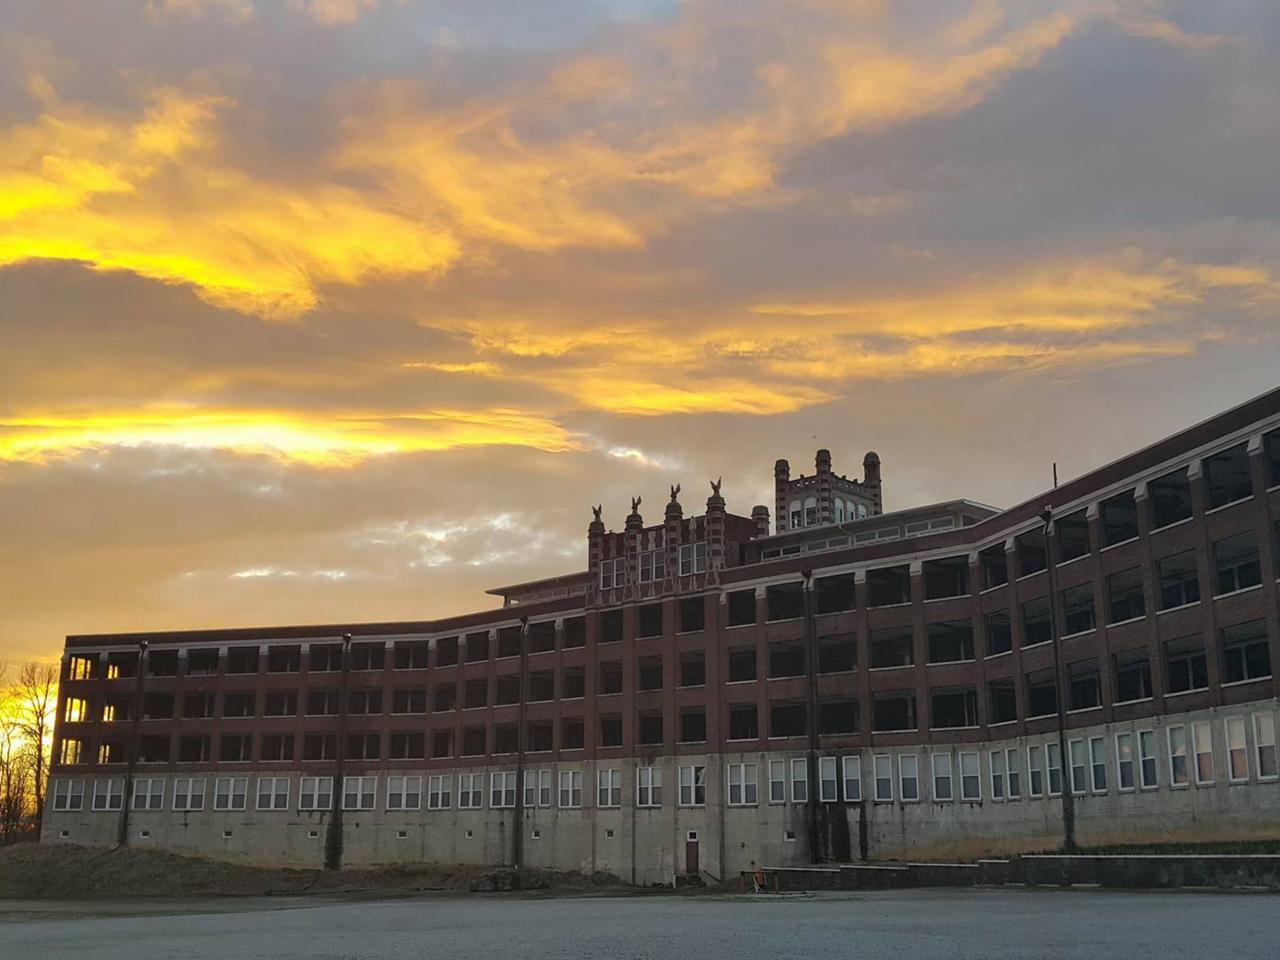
922,925
1151,872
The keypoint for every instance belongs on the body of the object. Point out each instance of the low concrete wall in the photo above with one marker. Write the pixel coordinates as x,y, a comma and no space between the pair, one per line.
1153,871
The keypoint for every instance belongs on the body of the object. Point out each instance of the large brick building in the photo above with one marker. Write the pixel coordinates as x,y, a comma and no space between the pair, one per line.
707,693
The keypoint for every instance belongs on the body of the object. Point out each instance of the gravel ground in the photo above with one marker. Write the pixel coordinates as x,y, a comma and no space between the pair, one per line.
912,924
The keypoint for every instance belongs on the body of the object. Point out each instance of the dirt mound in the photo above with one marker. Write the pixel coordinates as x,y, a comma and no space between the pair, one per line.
64,871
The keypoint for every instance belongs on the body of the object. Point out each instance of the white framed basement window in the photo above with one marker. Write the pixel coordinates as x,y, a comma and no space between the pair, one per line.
1125,781
648,786
996,762
828,782
941,766
693,786
470,791
970,776
229,793
1237,750
777,781
315,793
1035,772
1264,739
1148,766
148,793
608,788
502,790
273,793
851,768
537,788
570,789
743,781
108,794
68,795
908,777
404,793
439,791
188,793
882,771
799,780
1013,761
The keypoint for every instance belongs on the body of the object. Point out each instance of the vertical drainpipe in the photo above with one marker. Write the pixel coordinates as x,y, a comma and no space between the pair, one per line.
126,797
333,836
1059,678
811,674
517,833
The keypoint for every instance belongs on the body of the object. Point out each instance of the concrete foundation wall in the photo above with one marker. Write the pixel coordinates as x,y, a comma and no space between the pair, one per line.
645,846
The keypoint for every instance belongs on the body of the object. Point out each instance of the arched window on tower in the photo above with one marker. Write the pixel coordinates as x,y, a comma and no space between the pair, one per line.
810,511
797,517
839,510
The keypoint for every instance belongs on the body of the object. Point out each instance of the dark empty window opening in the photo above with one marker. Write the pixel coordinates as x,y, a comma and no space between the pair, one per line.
650,728
1179,580
610,727
324,657
649,620
953,708
1133,675
994,561
693,725
891,647
284,659
542,636
888,586
193,749
477,647
611,626
200,663
506,738
573,683
1042,694
742,608
446,651
446,697
837,654
572,734
159,706
1226,476
1271,453
162,663
948,577
1036,628
510,641
409,700
476,693
473,741
238,704
650,673
1032,554
743,723
1236,563
1124,596
786,659
999,632
1077,609
950,641
441,744
1084,685
541,736
1185,665
1246,653
368,656
575,632
788,719
1119,515
833,594
611,677
1170,497
838,716
1072,533
542,686
242,660
742,664
412,655
693,614
893,711
784,601
1002,700
363,746
508,689
693,669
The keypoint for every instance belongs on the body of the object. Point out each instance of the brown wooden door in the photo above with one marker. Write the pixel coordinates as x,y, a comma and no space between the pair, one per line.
691,857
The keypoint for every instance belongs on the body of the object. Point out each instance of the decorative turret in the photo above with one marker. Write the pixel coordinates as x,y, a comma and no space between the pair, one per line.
634,520
871,478
760,516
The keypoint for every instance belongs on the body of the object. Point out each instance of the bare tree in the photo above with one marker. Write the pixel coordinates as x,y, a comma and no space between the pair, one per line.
37,698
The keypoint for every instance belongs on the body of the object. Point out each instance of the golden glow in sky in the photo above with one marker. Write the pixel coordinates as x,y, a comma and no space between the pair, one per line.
284,284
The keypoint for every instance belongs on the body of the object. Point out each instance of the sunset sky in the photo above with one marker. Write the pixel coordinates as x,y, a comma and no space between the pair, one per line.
321,310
